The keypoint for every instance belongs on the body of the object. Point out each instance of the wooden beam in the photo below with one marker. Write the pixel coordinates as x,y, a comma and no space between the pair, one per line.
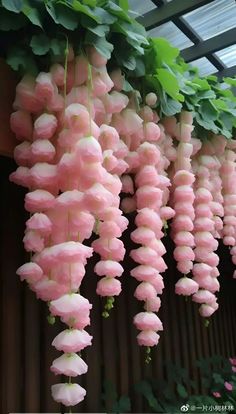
169,11
211,45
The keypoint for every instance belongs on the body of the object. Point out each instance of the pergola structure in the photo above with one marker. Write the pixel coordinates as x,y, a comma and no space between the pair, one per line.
219,49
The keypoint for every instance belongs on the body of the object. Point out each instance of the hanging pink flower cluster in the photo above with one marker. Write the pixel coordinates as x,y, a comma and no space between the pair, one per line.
83,142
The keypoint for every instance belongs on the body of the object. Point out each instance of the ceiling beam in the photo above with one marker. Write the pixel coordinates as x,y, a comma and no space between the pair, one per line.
196,39
228,72
209,46
169,11
189,31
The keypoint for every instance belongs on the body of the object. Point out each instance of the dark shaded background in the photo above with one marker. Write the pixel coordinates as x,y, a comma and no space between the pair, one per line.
26,353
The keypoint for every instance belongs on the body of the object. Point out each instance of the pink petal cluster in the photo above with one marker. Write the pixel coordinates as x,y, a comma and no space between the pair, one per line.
83,141
183,199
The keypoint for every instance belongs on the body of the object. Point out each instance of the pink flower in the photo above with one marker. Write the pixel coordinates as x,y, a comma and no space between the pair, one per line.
228,386
186,286
70,365
145,291
44,88
44,175
184,238
183,177
97,198
148,196
108,286
182,253
166,213
22,154
33,241
232,361
204,296
147,175
45,126
109,248
68,394
148,321
89,150
144,255
21,177
182,222
128,205
109,138
77,117
108,268
42,150
47,289
77,321
216,394
185,266
72,340
184,194
142,235
148,338
206,311
21,125
70,304
30,272
109,229
39,222
148,218
148,154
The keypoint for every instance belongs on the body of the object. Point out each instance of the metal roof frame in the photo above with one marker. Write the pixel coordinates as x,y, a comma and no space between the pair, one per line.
173,11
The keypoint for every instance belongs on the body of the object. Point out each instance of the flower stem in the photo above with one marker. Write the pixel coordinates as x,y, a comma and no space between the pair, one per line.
66,67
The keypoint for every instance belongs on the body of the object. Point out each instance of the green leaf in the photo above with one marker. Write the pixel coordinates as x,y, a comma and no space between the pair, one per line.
104,16
66,17
58,47
206,94
124,4
207,124
82,8
100,30
170,107
9,21
100,43
123,405
91,3
208,111
117,11
20,60
201,84
164,52
146,390
168,82
32,14
218,378
13,5
40,44
51,11
182,391
230,81
139,69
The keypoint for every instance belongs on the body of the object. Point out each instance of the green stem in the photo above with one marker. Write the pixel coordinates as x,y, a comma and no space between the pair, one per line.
90,88
66,67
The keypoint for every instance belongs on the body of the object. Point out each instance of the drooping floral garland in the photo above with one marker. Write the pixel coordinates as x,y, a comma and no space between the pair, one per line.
88,135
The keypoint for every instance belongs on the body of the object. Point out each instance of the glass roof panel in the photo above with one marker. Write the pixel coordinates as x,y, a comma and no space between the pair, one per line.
170,32
204,66
141,7
228,56
213,19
